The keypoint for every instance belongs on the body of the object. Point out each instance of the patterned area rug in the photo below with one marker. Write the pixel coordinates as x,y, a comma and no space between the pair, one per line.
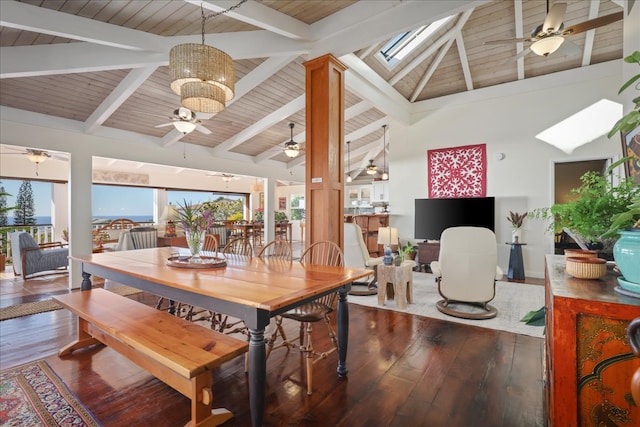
513,302
33,395
29,308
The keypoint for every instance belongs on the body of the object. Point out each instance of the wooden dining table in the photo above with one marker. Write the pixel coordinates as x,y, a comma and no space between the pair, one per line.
249,288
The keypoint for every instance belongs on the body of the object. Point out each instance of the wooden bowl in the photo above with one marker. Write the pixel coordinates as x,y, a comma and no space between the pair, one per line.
580,253
586,268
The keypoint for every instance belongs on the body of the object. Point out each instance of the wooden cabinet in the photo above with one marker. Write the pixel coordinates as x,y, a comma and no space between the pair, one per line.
380,191
427,252
588,361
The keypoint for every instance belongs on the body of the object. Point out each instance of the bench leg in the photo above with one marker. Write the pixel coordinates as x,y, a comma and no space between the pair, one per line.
84,339
201,400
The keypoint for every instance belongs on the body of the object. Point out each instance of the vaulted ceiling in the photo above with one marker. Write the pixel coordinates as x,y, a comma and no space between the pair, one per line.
100,64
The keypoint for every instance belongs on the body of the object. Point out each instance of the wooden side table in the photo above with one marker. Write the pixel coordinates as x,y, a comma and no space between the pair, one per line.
401,280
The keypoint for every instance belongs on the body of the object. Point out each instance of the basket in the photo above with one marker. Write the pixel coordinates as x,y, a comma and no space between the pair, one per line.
586,268
580,253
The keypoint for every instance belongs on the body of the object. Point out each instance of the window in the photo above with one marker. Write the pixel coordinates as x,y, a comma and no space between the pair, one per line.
117,201
228,206
297,206
42,195
404,43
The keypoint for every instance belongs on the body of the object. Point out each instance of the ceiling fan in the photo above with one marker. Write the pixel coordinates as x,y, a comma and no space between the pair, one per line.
36,156
185,121
547,37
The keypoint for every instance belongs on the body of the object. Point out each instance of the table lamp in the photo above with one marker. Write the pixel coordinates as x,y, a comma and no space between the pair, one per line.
170,214
387,236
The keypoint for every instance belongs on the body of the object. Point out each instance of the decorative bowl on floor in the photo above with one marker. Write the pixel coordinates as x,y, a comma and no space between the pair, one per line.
586,268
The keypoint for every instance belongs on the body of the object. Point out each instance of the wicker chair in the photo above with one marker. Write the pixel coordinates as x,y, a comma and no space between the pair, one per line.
319,253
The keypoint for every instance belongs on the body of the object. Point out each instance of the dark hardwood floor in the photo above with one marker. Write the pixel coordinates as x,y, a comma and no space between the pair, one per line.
404,370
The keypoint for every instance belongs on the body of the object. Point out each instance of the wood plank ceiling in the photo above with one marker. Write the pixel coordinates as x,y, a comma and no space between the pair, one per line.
103,63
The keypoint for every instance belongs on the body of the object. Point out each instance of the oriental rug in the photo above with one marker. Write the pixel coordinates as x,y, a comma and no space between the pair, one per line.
33,395
513,302
36,307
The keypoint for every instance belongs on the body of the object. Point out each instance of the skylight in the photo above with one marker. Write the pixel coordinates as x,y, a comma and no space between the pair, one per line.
404,43
582,127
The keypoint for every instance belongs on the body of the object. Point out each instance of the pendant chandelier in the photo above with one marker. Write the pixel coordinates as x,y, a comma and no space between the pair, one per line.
291,148
371,168
349,179
385,175
202,75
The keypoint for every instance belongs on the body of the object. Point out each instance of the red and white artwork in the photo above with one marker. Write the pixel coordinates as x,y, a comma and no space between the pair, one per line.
457,172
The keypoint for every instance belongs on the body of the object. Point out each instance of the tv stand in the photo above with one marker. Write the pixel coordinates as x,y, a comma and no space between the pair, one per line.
427,252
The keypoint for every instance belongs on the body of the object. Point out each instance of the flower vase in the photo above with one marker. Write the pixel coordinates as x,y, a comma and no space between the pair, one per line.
516,235
195,242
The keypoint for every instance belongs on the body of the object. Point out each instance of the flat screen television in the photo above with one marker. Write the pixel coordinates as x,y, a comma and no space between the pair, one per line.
433,216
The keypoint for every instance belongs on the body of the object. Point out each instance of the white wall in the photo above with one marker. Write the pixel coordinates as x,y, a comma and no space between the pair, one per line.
506,124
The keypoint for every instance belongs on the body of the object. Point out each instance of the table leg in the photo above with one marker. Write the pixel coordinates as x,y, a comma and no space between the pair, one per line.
257,375
343,331
86,282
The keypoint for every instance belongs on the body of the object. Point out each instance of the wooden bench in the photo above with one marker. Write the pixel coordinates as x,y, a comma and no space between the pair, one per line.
179,353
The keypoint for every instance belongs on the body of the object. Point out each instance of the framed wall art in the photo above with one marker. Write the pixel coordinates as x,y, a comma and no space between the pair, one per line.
457,171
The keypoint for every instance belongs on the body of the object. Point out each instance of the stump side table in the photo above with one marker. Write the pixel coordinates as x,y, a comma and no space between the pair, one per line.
401,280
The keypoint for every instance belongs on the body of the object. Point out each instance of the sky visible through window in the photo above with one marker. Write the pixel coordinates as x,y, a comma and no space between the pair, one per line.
107,200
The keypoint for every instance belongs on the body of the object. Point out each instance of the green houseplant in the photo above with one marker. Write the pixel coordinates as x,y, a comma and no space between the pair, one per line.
409,251
5,232
626,223
590,214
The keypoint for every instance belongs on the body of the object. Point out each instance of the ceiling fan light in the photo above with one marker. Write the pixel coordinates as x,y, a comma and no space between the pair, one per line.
184,127
547,45
202,97
372,169
193,62
291,149
37,157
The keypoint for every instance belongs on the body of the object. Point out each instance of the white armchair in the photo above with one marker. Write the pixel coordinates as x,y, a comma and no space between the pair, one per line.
356,255
466,271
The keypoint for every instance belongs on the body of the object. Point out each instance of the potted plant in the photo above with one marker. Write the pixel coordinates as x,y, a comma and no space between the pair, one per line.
516,219
409,251
626,223
590,213
5,232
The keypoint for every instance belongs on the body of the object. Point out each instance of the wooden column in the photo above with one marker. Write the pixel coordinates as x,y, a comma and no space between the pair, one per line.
324,137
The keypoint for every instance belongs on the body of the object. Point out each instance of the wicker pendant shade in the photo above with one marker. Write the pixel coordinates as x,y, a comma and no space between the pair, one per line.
202,97
193,62
202,75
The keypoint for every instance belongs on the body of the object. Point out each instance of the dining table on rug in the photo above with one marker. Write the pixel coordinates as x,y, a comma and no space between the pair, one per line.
249,288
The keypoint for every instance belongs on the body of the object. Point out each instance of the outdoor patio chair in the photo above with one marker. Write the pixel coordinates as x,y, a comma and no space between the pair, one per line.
30,258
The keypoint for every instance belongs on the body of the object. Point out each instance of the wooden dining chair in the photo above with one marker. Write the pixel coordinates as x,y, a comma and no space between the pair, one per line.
220,322
277,249
238,246
319,253
190,312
